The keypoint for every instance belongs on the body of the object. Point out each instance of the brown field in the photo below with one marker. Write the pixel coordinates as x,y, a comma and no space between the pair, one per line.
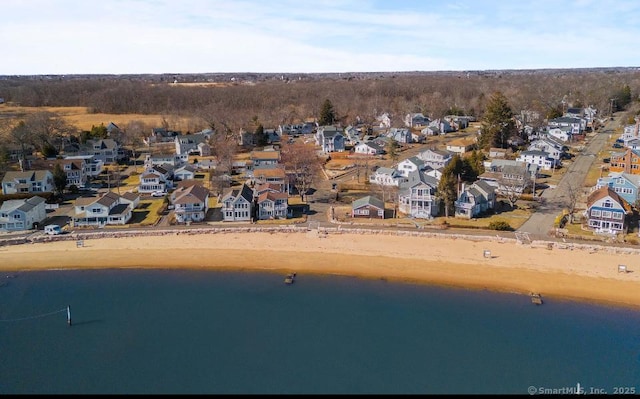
83,120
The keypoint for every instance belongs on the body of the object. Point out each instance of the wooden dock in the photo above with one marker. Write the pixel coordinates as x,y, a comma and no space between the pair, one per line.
290,278
536,298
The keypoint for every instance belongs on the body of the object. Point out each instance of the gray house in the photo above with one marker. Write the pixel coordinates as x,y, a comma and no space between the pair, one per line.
22,214
475,199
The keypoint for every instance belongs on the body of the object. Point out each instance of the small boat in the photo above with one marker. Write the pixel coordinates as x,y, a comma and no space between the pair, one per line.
290,278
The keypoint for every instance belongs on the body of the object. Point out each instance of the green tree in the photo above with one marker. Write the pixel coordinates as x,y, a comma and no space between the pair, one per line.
59,179
497,124
99,132
49,151
327,114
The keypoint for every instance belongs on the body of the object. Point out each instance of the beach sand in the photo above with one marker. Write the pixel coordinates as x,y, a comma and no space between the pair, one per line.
575,274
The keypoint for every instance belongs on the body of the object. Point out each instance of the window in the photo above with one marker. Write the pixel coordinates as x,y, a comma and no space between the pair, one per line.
595,213
606,214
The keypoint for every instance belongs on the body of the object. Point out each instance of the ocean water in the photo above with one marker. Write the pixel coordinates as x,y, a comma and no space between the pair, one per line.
177,331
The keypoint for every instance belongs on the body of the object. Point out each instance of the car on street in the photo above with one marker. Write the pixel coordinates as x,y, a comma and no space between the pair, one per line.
157,194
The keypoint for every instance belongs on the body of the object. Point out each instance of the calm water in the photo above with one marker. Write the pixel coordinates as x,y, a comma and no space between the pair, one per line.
167,331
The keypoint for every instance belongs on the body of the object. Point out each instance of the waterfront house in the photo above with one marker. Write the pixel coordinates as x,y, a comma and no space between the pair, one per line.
22,214
191,201
607,212
417,196
368,207
237,204
475,199
107,209
273,205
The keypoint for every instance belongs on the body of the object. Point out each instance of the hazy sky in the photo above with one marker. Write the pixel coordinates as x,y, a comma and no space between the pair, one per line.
305,36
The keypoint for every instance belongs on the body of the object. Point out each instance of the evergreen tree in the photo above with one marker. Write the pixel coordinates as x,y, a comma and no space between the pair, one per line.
59,178
448,185
497,124
327,114
260,137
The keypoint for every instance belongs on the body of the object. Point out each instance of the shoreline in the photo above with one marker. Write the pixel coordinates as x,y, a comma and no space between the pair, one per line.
579,274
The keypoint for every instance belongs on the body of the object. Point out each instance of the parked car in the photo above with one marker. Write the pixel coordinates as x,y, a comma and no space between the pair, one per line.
157,194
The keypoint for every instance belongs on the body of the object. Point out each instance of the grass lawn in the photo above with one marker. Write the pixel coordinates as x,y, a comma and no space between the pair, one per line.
146,214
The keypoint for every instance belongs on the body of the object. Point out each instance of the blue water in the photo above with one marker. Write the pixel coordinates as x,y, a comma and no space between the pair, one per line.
173,331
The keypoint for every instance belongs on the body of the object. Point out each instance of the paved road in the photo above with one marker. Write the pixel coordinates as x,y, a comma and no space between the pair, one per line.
541,222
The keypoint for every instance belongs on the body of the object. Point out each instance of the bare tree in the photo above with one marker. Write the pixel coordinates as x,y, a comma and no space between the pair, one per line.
572,188
512,185
302,164
225,150
133,136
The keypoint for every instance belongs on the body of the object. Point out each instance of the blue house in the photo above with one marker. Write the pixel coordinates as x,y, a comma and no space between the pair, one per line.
330,139
624,184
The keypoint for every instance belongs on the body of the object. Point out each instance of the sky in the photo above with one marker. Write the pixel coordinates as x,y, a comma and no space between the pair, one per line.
62,37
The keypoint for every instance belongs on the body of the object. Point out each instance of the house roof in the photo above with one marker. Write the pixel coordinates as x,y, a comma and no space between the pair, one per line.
108,199
604,192
30,175
271,196
245,192
24,205
368,200
265,155
195,193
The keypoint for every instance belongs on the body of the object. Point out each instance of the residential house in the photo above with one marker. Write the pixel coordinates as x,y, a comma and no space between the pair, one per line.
106,150
624,184
627,161
131,198
22,214
237,204
268,187
352,135
475,199
108,209
185,172
191,202
330,139
193,144
175,160
92,166
436,158
273,205
160,135
442,125
258,159
368,148
384,120
274,174
156,178
607,212
461,145
631,132
409,165
552,146
386,177
402,136
435,173
368,207
417,196
495,152
75,170
562,133
431,131
509,176
31,181
536,157
577,125
416,120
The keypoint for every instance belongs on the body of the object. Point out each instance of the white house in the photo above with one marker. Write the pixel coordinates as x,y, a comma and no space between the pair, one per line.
156,178
22,214
237,205
31,181
386,177
368,148
409,165
435,158
537,157
108,209
416,120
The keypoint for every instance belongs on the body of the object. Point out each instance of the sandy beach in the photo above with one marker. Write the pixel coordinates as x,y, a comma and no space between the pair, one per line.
575,273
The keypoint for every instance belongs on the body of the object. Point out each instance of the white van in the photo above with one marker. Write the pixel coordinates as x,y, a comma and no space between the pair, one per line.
52,229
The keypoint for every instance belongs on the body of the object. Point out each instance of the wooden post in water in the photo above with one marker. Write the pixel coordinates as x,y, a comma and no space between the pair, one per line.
69,315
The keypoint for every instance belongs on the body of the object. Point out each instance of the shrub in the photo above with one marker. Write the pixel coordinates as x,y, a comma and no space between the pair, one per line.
500,225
